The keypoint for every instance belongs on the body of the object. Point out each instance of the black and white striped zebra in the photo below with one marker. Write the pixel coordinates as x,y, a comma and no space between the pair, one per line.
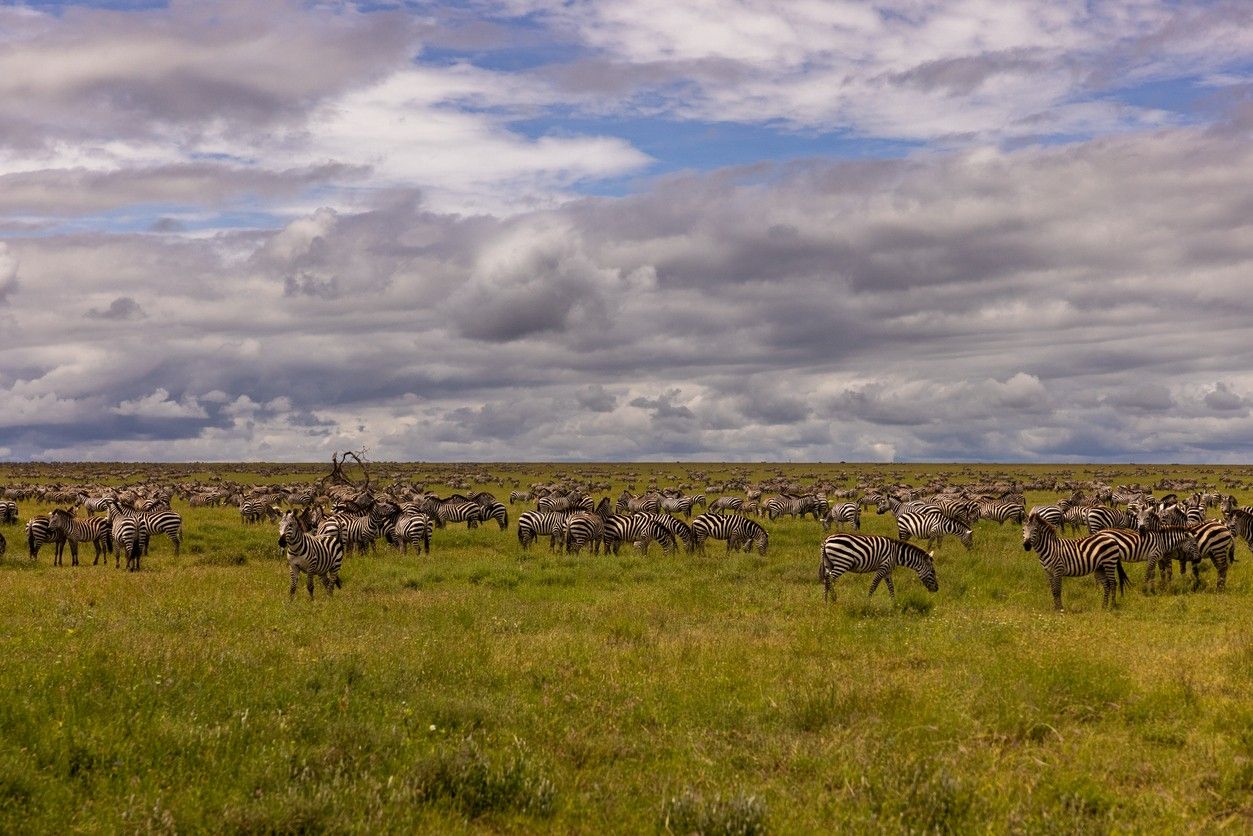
679,531
1240,522
792,506
1100,518
863,553
738,531
256,510
583,529
92,529
470,513
841,513
1051,514
127,531
8,511
932,526
1061,558
726,503
649,502
315,555
1152,546
495,510
533,524
519,496
682,504
1001,511
413,529
165,522
38,532
1214,540
4,545
638,529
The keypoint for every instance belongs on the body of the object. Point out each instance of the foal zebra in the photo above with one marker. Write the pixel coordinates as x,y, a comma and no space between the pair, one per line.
320,555
1073,558
871,553
77,531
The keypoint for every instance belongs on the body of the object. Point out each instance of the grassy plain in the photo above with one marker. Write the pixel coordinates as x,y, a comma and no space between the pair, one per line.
481,688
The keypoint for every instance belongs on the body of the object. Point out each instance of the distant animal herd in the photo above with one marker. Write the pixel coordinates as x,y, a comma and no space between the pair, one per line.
319,525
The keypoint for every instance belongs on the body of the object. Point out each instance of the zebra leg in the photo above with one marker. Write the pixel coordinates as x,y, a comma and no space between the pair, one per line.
1055,586
178,544
295,579
881,575
1221,565
329,582
1196,575
309,584
73,552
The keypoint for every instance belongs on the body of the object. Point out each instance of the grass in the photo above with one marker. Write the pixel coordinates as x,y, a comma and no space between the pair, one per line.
481,688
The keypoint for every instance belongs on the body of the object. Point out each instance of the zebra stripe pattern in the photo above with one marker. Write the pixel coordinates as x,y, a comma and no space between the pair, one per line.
1073,558
413,529
841,513
863,553
738,532
726,503
582,529
320,555
1001,511
532,524
38,532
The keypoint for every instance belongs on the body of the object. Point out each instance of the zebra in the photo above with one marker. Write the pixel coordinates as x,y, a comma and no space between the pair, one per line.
1100,518
496,511
1074,514
738,531
1151,546
78,531
583,528
140,534
872,553
4,545
532,524
1001,511
413,529
640,530
1051,514
255,510
679,531
94,504
320,555
1240,523
1214,540
38,532
519,496
793,506
726,503
840,513
165,522
8,511
965,511
470,513
1072,558
649,502
682,504
932,525
129,535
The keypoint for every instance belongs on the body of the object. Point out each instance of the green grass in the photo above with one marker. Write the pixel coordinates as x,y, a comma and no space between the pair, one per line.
482,688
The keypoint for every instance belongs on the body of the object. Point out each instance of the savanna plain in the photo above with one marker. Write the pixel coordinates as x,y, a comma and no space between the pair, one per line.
483,688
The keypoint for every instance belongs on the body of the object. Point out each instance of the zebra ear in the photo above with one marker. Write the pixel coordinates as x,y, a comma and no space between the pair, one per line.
931,554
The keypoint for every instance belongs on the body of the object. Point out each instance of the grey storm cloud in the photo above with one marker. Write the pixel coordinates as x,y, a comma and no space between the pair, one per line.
121,308
976,304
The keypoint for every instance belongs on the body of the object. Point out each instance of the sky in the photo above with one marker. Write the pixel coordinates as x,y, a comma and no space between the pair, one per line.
718,230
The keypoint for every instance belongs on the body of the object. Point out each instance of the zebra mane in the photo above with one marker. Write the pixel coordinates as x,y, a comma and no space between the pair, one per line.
916,552
1034,517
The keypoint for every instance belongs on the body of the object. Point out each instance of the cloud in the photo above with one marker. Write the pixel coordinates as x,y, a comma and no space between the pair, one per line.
8,273
1222,399
121,308
160,405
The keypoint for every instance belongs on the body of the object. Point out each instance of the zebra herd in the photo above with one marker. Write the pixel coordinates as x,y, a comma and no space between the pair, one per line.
124,530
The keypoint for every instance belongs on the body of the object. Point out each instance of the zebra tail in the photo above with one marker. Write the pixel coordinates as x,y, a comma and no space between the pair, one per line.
30,540
1122,578
132,558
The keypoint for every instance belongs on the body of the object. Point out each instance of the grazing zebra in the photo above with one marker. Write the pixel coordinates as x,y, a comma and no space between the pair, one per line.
581,529
165,522
932,526
1073,558
38,532
792,506
682,504
320,555
679,531
1215,541
413,529
738,531
94,504
77,531
1001,511
257,510
8,511
965,511
871,553
519,496
649,502
532,524
496,511
1152,546
726,503
840,513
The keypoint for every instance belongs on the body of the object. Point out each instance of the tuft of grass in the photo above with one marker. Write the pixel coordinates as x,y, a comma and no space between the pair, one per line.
476,784
916,602
691,814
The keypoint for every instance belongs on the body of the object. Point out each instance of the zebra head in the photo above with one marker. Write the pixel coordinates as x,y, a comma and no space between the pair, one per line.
1029,532
967,538
289,529
926,574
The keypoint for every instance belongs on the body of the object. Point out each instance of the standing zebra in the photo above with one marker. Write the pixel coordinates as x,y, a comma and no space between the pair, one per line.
581,529
497,511
843,512
165,522
1240,522
678,530
1151,546
77,531
1100,518
470,513
128,533
1001,511
311,554
792,506
532,524
413,529
932,526
1073,558
8,511
726,503
38,532
871,553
